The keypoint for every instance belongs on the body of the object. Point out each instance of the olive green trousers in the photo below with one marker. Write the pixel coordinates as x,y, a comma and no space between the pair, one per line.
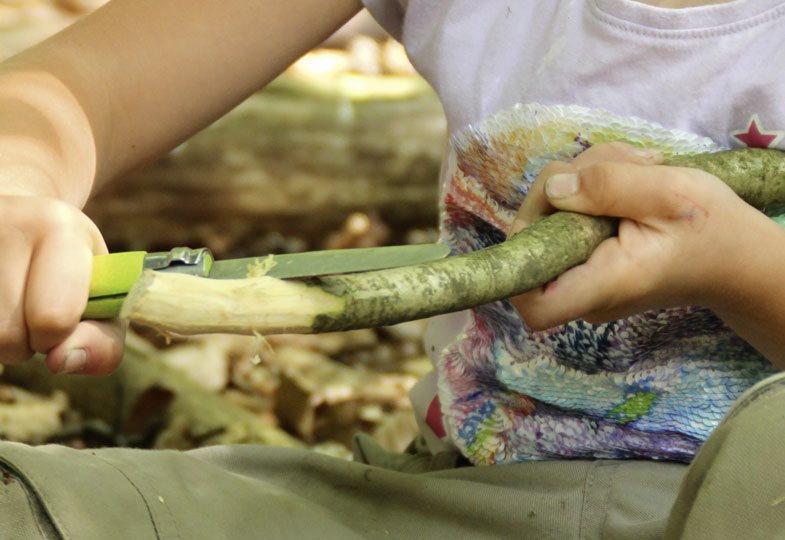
734,489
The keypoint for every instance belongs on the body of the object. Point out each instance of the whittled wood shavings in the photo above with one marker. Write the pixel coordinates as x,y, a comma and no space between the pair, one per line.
29,417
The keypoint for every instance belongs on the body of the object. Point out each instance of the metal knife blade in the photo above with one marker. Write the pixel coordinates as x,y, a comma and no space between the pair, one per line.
339,261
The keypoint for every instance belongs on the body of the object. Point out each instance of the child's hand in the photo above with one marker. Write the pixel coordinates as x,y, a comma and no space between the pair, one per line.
46,250
681,237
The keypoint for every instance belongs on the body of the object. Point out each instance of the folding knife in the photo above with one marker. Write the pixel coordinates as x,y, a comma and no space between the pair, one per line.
114,274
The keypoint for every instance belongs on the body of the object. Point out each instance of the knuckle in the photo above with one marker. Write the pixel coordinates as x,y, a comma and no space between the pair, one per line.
537,324
57,215
555,167
602,172
680,179
597,182
683,190
618,145
532,317
11,337
615,147
52,321
606,151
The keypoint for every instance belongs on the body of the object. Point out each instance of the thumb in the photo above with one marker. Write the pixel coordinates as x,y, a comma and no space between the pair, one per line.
93,348
624,190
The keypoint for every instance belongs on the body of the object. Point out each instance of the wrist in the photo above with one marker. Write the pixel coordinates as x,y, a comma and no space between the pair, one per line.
726,265
750,297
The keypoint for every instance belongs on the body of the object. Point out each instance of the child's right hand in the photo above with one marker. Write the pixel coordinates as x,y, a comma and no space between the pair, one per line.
46,251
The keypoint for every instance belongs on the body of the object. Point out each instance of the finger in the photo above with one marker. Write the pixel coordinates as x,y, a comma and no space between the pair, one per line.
617,151
623,190
603,289
57,289
536,205
94,348
13,272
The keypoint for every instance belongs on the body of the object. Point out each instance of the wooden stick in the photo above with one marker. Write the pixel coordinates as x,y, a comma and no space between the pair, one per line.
538,254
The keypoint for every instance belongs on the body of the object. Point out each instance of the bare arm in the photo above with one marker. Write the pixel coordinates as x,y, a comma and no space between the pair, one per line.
111,92
148,74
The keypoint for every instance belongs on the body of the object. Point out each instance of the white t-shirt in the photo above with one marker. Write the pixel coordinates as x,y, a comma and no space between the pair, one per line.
713,71
687,69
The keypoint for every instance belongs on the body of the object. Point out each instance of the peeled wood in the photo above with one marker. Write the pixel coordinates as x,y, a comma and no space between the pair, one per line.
538,254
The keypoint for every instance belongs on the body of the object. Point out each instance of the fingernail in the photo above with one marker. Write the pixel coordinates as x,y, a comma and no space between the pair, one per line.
74,362
561,185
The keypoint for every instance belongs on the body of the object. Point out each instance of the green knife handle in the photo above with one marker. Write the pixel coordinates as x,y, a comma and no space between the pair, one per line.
113,276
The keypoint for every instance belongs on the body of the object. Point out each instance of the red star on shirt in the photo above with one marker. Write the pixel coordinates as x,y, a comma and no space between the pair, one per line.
756,137
434,418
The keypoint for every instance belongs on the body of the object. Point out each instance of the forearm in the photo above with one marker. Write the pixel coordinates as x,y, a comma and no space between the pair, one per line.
137,77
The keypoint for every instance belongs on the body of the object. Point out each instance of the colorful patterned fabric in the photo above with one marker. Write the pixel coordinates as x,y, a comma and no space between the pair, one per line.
650,386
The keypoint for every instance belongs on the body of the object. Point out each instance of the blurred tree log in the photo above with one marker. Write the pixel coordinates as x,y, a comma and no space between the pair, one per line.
299,156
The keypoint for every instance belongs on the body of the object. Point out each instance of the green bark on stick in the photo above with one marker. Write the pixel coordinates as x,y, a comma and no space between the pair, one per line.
526,261
531,258
757,175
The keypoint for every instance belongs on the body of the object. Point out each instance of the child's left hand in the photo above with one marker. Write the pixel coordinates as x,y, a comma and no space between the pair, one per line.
685,238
